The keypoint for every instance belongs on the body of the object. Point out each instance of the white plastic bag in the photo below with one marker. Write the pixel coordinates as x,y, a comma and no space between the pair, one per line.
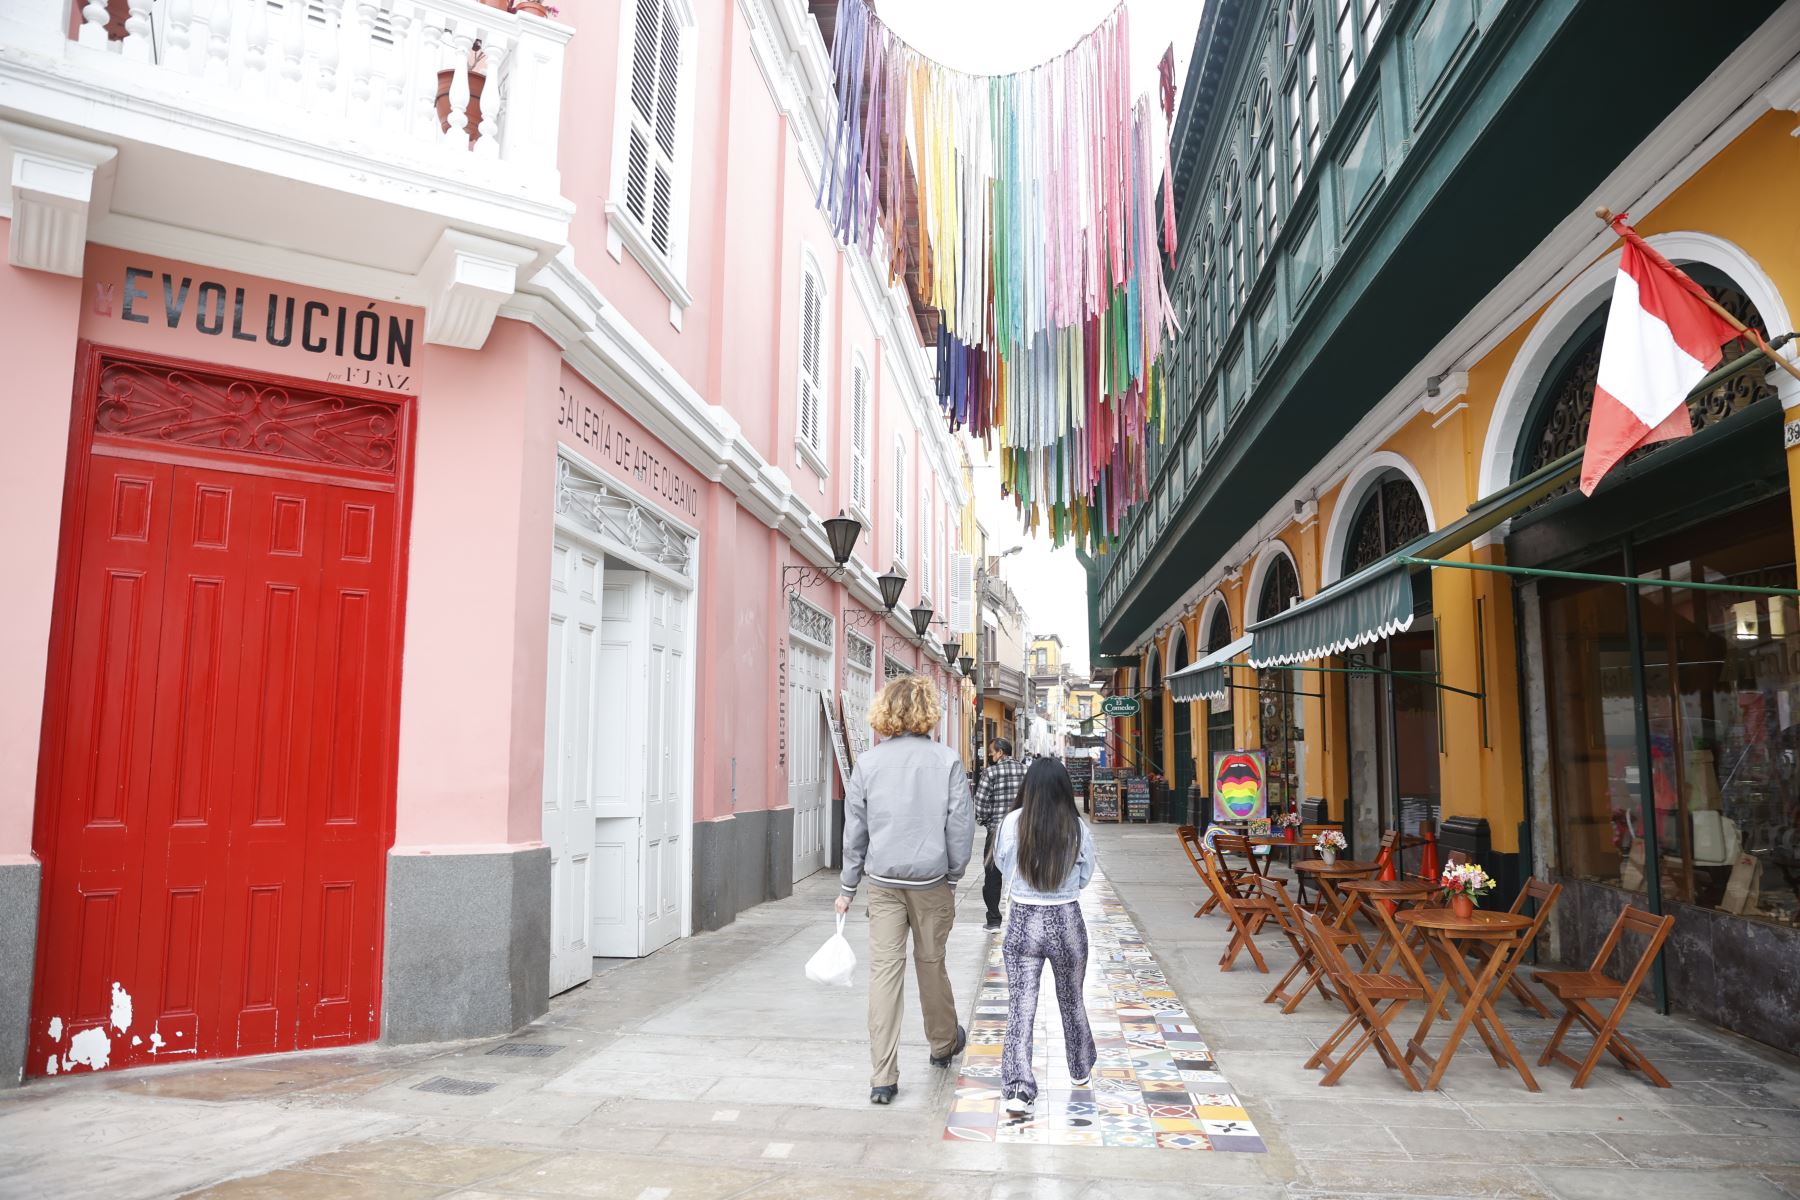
835,962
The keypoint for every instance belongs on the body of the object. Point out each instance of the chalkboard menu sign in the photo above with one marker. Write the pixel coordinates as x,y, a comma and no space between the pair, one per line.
1137,798
1081,774
1106,799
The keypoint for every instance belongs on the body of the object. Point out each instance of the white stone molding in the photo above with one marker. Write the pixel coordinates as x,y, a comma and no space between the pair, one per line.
1356,488
1265,558
54,189
466,278
603,507
1783,92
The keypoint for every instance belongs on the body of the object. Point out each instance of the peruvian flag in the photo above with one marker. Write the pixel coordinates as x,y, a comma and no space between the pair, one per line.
1662,338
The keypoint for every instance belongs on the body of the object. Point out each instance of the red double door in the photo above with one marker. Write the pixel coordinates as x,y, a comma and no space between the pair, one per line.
217,776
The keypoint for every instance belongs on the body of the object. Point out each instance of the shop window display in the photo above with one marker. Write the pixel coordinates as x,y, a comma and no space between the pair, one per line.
1722,679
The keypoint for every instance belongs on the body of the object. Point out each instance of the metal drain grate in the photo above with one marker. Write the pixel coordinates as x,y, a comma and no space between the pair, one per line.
525,1049
444,1085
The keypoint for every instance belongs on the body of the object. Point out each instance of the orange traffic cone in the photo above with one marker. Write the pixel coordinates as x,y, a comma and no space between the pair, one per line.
1389,872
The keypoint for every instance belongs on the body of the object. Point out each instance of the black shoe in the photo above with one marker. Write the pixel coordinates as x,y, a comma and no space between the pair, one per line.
884,1095
993,925
962,1039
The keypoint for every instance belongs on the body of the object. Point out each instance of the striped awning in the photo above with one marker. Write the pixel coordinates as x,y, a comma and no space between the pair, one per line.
1210,678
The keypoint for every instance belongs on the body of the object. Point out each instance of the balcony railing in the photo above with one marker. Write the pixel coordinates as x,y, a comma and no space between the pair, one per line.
450,80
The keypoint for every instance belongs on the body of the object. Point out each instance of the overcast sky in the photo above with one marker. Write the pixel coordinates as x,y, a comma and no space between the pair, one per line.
995,36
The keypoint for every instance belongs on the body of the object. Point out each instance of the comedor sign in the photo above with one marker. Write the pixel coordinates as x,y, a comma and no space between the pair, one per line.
1120,706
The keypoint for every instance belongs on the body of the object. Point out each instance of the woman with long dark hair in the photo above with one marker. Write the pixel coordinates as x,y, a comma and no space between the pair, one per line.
1047,855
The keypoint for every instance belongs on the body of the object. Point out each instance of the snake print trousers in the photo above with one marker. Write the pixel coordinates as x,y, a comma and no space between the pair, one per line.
1036,933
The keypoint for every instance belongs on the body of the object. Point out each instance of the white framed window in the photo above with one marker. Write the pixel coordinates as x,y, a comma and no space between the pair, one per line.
1303,111
1358,21
925,522
859,438
900,501
647,210
809,430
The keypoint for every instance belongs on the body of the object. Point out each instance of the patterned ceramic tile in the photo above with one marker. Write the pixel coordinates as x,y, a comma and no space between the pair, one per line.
1155,1084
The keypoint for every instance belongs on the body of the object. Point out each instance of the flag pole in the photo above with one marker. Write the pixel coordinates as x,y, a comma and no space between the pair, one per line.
1700,293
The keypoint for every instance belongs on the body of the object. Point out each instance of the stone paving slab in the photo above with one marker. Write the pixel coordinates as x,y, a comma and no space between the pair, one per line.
714,1071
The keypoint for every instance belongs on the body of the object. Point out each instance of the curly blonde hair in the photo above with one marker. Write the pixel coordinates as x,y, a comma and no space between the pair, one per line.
907,705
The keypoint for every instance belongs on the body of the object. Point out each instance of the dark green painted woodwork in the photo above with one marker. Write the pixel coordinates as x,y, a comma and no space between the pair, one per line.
1536,110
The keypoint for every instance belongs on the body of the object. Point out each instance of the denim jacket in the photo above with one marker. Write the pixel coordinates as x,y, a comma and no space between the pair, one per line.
1006,857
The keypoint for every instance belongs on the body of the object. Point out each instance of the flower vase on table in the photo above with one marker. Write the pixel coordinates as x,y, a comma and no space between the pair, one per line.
1290,826
1464,884
1328,843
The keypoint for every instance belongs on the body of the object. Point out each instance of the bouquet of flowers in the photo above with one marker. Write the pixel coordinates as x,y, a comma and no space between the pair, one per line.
1329,839
1464,884
1288,820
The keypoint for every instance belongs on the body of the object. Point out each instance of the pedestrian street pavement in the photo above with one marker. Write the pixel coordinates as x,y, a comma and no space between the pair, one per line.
714,1071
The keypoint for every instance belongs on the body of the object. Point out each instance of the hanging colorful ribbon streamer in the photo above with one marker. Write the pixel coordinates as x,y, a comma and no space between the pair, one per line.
1025,207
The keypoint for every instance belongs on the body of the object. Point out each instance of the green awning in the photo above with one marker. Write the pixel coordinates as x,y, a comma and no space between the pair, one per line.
1378,601
1210,678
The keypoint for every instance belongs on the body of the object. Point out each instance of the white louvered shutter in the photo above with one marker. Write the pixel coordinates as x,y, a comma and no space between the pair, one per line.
962,593
900,502
925,540
859,439
650,138
812,315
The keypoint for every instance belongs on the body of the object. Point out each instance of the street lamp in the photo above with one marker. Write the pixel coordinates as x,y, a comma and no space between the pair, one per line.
921,619
967,664
841,531
951,650
892,584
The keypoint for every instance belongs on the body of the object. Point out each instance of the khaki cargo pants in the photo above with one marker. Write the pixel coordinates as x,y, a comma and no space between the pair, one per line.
929,913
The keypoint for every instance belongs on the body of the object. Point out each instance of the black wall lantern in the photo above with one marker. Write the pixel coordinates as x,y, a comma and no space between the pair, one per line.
967,663
843,532
892,584
951,650
921,619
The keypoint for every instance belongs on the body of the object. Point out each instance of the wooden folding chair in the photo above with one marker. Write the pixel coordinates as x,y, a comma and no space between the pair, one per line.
1307,967
1247,910
1373,1002
1545,894
1577,990
1226,845
1190,842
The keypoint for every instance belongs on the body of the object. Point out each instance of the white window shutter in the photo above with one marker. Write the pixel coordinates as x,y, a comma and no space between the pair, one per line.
811,384
925,541
650,138
900,502
962,594
859,439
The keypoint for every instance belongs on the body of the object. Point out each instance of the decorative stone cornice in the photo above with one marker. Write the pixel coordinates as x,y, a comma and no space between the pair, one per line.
468,278
55,186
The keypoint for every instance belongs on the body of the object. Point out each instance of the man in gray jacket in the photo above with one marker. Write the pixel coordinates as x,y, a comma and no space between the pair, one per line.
909,824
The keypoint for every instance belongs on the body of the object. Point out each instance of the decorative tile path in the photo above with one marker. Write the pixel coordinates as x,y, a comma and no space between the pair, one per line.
1155,1085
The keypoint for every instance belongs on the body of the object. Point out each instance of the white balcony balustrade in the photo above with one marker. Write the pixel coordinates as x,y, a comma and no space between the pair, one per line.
393,75
395,148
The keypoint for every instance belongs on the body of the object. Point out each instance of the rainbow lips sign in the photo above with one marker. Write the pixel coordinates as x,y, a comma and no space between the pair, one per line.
1238,786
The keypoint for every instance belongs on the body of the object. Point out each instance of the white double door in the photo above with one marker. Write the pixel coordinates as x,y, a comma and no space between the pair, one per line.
615,778
809,775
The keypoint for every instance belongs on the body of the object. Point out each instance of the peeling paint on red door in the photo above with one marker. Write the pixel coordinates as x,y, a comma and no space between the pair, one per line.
217,785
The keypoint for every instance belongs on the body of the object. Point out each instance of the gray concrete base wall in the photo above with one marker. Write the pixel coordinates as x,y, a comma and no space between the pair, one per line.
741,862
468,944
19,888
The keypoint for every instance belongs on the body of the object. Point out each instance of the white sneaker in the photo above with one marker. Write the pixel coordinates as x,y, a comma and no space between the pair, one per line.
1018,1106
1079,1083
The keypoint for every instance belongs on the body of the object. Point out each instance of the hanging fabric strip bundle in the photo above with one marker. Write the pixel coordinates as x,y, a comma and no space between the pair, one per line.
1025,207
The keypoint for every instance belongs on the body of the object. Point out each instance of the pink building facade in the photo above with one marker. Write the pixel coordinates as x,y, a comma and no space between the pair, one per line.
417,580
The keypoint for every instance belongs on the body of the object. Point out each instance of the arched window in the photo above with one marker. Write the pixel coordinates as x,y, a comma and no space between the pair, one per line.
1391,516
1231,243
1302,94
1209,297
1219,735
1280,588
1264,175
1565,401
